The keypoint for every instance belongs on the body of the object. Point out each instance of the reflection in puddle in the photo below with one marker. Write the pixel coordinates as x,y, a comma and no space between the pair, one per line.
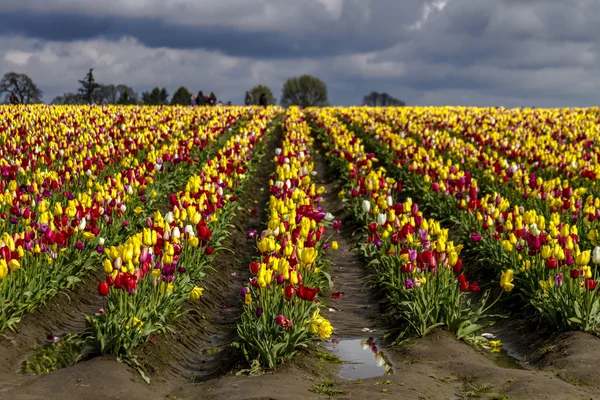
362,358
503,359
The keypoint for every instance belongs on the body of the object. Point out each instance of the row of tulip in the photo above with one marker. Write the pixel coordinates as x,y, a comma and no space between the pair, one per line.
151,274
52,248
557,143
65,156
281,309
550,199
409,256
514,180
539,253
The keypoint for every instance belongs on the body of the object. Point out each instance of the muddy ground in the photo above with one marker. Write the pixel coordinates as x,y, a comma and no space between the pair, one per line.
196,363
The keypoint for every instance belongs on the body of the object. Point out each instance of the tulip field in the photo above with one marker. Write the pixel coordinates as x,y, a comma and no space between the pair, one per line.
459,220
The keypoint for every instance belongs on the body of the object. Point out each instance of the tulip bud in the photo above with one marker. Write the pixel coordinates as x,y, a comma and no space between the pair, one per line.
82,224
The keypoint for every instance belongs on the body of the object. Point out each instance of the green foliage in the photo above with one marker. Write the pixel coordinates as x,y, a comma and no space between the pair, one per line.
260,89
156,97
181,97
326,388
304,91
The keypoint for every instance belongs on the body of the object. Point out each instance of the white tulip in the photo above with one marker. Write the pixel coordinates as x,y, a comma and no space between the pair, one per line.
278,151
189,230
129,190
596,255
123,208
329,217
366,206
169,217
381,218
176,233
82,224
101,241
389,201
534,230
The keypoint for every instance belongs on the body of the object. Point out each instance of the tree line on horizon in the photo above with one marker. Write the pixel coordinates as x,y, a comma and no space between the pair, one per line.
304,91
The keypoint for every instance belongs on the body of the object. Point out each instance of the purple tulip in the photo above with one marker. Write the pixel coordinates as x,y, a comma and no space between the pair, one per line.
409,283
244,291
259,312
100,249
475,237
125,224
79,245
412,255
558,280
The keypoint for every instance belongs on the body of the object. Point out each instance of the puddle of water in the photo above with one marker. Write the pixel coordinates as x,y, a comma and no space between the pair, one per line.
362,358
505,360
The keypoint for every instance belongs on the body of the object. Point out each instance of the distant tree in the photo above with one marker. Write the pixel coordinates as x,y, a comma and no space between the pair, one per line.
260,89
68,99
127,97
181,97
22,86
155,97
113,94
304,91
375,99
89,86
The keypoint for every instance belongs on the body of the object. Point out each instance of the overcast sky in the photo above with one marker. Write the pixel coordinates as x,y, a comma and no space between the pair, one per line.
471,52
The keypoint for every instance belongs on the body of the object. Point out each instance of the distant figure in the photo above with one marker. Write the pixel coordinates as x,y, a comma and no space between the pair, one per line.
262,101
248,99
14,99
229,103
192,100
219,103
200,99
212,99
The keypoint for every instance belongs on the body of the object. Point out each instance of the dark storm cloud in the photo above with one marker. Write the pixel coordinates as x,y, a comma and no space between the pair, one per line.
358,29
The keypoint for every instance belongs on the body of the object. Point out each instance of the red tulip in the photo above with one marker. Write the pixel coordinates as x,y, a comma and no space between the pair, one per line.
289,292
306,293
254,266
590,284
103,289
